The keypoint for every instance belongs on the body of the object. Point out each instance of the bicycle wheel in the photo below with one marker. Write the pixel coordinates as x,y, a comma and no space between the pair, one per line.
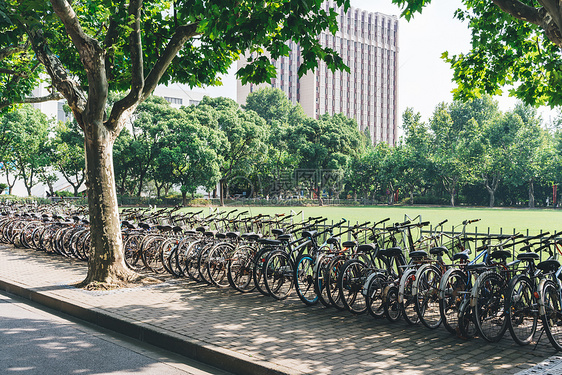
391,307
151,257
552,313
240,269
278,274
257,269
217,264
467,326
166,252
321,279
304,280
332,290
202,260
427,297
523,310
407,298
192,254
181,255
350,286
489,306
132,252
452,292
374,294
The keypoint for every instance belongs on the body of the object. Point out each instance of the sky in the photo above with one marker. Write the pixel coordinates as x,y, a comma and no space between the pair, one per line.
424,80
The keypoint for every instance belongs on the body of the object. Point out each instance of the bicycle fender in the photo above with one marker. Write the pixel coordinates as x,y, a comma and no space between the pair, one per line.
444,279
476,286
417,279
403,280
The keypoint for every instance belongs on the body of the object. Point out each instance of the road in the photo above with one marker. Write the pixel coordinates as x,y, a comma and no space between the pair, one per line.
36,341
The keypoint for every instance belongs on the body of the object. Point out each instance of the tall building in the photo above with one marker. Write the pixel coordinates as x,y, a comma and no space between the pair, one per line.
368,44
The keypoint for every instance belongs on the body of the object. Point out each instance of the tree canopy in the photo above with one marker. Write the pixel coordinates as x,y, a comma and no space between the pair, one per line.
514,43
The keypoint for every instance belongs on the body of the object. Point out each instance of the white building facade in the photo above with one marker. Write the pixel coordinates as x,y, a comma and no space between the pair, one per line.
368,45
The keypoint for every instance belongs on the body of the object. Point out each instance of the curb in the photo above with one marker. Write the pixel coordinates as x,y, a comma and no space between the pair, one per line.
220,358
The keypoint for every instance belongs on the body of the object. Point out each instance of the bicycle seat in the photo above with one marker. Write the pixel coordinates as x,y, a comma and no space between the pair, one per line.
221,235
476,266
418,254
144,226
366,248
500,254
309,233
233,235
333,240
528,256
210,233
284,237
164,228
462,256
439,250
277,231
391,252
177,229
201,229
254,236
349,244
549,265
190,231
268,241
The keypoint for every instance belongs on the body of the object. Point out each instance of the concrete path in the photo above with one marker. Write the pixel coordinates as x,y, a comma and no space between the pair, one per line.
35,341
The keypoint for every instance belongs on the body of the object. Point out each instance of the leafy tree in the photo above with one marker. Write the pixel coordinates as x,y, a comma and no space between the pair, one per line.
325,147
415,155
275,173
28,129
533,154
134,45
68,151
123,154
271,104
245,132
457,147
191,154
148,130
499,136
514,43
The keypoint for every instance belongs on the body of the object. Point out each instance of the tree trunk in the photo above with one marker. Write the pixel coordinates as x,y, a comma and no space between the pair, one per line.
492,197
184,198
10,185
221,192
531,194
106,263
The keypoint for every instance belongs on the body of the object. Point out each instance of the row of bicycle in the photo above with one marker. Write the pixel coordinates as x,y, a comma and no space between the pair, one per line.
432,278
394,271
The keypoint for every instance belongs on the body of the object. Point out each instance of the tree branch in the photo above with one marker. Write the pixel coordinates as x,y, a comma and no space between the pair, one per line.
59,76
520,11
176,43
137,69
5,52
548,17
33,99
92,57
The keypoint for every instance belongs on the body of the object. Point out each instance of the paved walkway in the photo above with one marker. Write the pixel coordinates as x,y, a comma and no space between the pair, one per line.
251,334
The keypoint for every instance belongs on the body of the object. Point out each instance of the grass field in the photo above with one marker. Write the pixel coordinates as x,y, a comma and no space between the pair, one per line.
507,219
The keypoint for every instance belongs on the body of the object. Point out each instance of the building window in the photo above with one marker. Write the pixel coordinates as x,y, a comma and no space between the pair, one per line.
174,100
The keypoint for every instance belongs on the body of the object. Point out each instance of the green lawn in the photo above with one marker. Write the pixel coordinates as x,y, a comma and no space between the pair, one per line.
509,219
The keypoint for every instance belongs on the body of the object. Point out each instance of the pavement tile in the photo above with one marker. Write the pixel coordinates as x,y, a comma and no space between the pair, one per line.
284,336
